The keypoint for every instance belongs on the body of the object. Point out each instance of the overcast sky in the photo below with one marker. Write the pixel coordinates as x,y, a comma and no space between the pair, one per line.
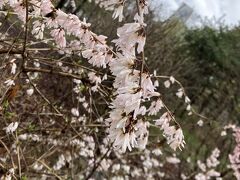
229,9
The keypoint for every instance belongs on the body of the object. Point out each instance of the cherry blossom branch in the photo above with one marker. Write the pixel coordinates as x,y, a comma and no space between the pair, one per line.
54,61
185,95
30,69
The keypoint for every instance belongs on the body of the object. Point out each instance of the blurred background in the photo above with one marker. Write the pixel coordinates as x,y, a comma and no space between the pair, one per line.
197,42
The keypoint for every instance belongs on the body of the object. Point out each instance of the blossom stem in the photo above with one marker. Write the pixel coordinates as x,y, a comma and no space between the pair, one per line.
142,67
185,94
143,54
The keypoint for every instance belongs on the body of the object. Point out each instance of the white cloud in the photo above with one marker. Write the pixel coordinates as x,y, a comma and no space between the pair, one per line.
228,9
232,11
167,7
206,8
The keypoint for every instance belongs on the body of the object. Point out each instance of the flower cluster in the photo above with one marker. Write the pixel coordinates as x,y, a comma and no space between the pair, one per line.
11,127
208,168
116,5
133,88
18,7
235,156
174,136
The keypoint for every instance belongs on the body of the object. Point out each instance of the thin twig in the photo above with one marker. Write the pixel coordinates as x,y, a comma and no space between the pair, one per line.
29,69
98,164
142,53
13,165
185,94
18,157
25,38
52,172
40,93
